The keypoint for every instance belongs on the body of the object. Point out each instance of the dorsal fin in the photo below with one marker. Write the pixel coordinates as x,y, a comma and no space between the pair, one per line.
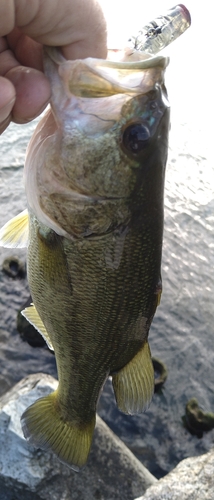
15,233
31,314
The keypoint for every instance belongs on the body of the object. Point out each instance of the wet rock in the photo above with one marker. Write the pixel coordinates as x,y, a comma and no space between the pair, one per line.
192,479
14,268
160,370
196,420
26,473
26,330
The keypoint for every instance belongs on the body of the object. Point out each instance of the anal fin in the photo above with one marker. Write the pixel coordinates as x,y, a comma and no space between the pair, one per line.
134,384
31,314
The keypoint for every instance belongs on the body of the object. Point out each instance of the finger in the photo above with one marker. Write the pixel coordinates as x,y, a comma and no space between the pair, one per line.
5,124
32,93
27,51
77,24
3,44
7,16
7,61
71,22
7,99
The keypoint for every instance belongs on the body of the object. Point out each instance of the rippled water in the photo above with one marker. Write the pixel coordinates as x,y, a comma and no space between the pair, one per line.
182,334
17,359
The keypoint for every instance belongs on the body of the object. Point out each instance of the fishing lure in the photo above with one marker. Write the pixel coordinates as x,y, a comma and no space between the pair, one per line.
162,30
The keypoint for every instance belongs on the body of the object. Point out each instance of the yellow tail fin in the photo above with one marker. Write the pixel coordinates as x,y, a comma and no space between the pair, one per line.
43,426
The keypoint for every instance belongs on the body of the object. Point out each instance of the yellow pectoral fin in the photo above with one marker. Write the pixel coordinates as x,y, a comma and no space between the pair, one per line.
134,384
15,233
44,426
31,314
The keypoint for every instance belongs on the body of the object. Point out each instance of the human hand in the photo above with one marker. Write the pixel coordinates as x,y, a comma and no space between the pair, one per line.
78,26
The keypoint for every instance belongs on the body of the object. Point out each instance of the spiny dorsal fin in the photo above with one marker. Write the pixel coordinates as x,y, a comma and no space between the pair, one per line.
14,234
31,314
134,384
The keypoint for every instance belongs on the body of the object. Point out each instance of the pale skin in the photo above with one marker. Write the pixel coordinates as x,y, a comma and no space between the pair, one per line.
77,26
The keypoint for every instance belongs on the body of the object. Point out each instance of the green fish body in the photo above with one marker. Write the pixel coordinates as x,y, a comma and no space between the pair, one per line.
94,179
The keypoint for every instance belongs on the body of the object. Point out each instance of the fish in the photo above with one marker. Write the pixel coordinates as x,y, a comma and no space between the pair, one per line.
93,227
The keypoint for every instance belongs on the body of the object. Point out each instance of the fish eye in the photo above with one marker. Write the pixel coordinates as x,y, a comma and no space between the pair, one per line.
135,138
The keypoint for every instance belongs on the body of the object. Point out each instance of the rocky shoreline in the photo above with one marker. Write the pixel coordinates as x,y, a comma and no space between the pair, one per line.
112,472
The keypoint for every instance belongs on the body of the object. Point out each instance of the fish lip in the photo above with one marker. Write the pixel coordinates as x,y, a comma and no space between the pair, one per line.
150,60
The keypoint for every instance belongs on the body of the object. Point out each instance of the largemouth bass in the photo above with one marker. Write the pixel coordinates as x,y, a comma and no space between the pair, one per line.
94,177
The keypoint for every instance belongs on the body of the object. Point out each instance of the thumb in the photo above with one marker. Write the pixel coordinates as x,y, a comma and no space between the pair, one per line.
77,25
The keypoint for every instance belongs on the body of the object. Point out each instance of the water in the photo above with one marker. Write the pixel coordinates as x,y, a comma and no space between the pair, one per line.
17,359
182,332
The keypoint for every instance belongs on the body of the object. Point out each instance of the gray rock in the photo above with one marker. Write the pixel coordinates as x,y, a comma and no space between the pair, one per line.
192,479
27,473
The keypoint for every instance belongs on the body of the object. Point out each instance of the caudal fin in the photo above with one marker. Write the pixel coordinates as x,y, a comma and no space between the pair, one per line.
44,427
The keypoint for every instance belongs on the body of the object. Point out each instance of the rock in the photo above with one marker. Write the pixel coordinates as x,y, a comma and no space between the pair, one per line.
196,419
13,267
160,370
192,479
26,473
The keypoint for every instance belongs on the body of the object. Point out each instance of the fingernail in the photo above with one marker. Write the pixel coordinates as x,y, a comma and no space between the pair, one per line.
6,110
